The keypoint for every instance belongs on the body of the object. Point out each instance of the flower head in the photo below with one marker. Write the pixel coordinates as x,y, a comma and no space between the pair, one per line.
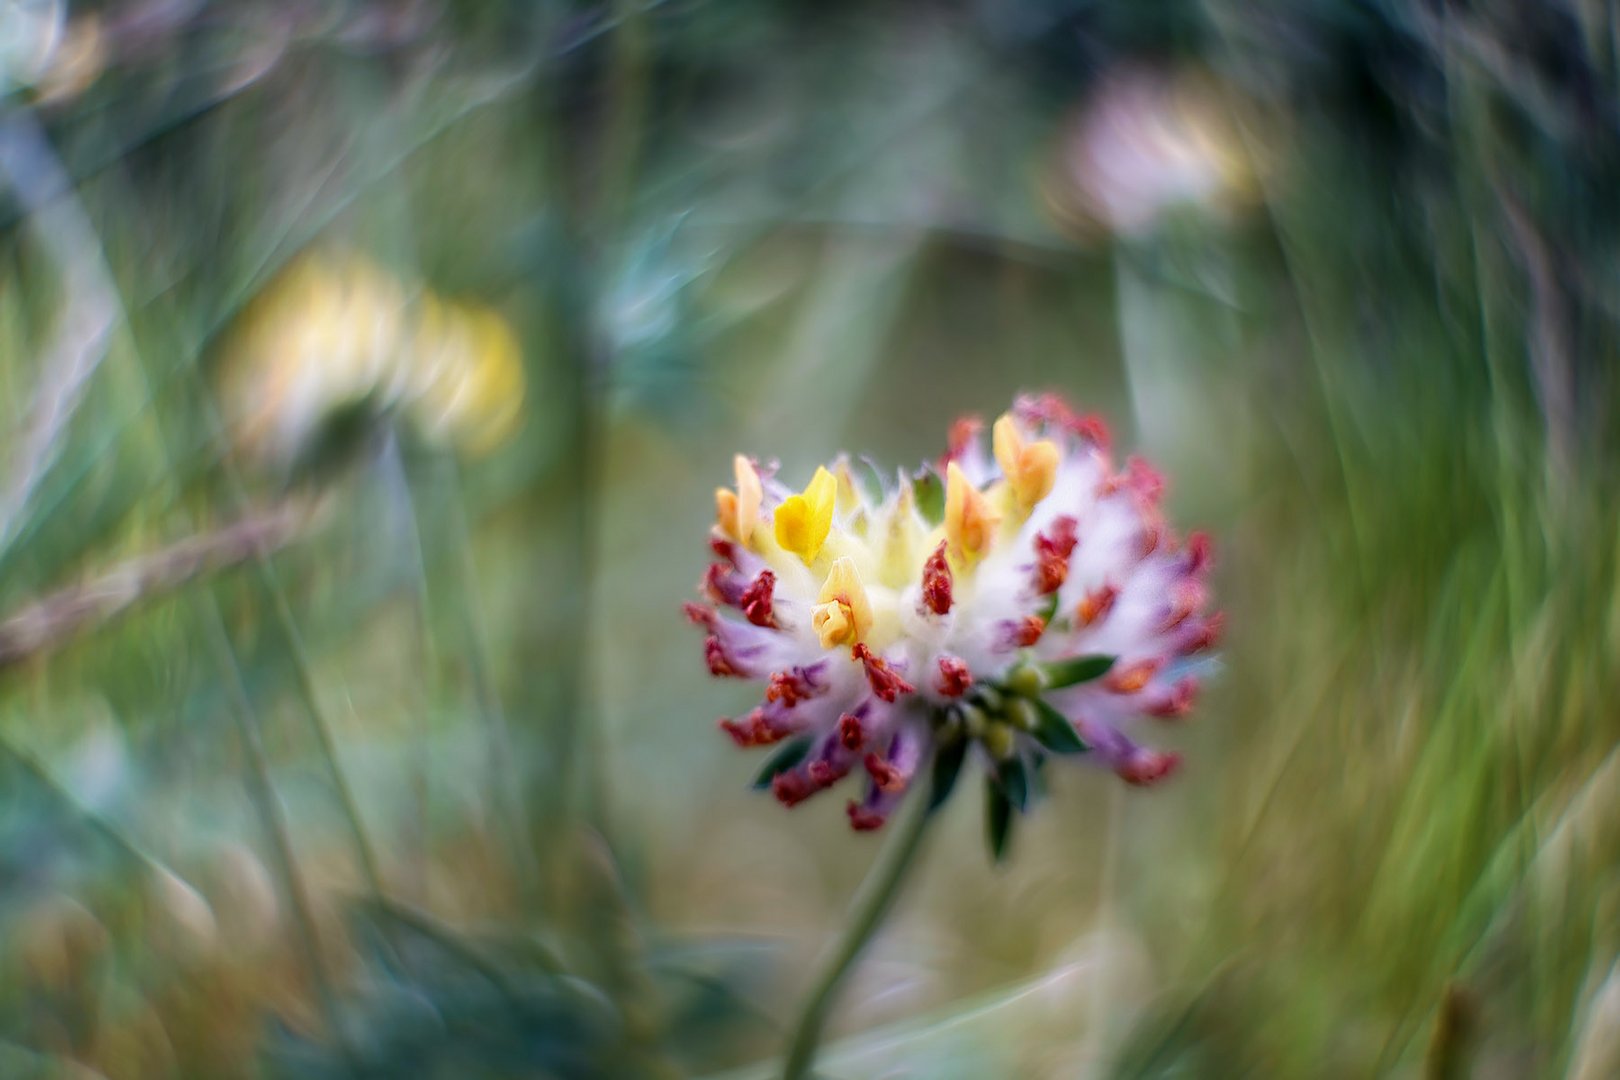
337,334
1032,604
1147,145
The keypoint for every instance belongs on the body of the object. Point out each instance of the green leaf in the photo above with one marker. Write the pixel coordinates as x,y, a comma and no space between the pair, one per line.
1076,670
946,767
998,818
782,759
1013,780
929,492
1054,731
1049,609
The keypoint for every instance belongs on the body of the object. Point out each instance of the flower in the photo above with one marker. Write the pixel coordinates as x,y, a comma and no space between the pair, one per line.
1021,603
336,334
1146,144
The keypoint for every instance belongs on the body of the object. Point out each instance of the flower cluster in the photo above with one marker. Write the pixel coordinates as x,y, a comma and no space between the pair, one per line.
1016,604
337,333
1148,146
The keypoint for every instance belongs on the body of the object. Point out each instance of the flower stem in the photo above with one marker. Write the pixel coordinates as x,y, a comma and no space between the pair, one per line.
872,902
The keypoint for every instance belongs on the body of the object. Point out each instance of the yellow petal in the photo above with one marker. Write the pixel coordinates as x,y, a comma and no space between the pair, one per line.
803,521
844,614
1038,472
738,511
899,540
1007,442
725,511
970,519
833,624
1030,468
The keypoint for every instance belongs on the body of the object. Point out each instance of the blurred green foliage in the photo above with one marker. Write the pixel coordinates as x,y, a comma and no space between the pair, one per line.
434,789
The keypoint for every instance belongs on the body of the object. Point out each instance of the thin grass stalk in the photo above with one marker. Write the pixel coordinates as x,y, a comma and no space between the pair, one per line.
126,845
285,623
504,777
320,726
261,790
30,167
393,465
48,624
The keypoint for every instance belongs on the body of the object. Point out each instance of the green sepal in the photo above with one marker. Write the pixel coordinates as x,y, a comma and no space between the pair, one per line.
928,490
1054,731
988,698
782,759
998,818
946,767
1076,670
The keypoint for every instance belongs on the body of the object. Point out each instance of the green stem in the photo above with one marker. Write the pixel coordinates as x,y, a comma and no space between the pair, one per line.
261,791
866,914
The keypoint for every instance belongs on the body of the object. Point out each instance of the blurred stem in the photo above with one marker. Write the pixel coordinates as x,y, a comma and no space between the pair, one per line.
871,905
303,668
446,510
28,165
503,770
627,90
271,817
396,478
1449,1049
574,782
107,830
319,724
52,621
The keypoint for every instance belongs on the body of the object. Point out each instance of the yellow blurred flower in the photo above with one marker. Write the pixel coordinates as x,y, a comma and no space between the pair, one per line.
469,375
337,335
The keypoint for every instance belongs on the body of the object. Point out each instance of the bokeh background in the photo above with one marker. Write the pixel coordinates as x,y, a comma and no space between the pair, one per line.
365,373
